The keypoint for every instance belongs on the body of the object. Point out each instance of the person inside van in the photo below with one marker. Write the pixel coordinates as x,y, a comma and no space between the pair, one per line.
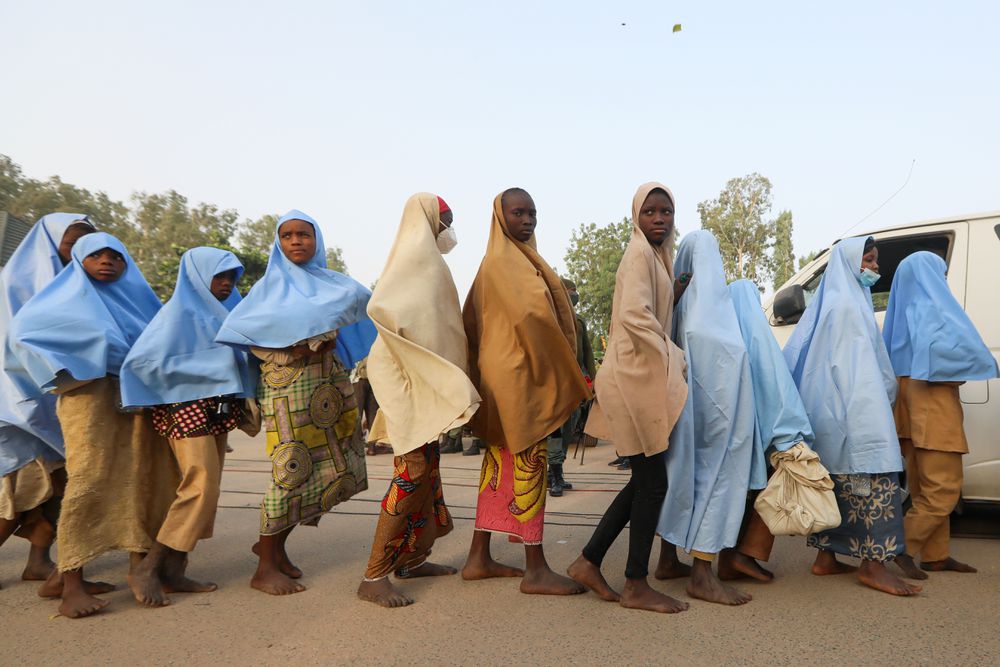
842,369
934,348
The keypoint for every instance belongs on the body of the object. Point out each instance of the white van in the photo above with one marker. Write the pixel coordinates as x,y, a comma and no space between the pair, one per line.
971,247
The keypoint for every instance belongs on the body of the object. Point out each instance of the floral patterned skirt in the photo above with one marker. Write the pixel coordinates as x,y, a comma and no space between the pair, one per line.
512,493
872,518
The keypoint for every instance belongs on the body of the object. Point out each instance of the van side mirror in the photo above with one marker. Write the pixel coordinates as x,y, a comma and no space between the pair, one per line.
789,304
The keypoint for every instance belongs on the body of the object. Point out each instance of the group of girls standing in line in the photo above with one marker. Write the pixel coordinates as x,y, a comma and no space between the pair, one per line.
694,390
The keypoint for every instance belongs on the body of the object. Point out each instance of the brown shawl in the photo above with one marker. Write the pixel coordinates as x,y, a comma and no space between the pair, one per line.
522,343
640,387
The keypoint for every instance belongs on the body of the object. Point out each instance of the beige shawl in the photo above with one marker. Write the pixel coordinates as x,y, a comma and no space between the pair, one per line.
418,366
522,343
640,387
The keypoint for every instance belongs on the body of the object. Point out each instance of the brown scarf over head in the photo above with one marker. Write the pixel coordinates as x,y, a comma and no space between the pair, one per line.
522,343
640,387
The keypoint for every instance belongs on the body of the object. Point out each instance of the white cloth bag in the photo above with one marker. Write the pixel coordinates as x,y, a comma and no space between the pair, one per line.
799,498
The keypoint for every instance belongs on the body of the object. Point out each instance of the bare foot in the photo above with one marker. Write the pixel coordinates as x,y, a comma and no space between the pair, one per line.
543,581
876,575
735,565
147,588
39,565
948,564
909,568
53,586
706,586
586,573
383,593
826,563
79,603
668,566
488,569
174,577
275,582
425,569
284,564
638,594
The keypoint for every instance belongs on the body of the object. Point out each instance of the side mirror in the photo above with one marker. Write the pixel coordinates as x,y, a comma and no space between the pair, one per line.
789,304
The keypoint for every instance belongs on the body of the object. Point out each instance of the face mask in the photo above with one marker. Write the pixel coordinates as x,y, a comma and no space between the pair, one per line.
868,278
447,240
574,298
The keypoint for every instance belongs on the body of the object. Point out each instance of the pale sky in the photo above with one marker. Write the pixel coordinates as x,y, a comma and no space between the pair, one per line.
345,109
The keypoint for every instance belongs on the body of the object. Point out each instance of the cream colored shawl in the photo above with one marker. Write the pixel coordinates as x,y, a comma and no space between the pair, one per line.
418,366
522,343
640,387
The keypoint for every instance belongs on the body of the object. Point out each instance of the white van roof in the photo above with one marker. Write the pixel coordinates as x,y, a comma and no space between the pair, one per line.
927,223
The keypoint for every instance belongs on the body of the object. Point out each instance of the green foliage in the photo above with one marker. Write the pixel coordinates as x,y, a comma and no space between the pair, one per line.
783,254
335,260
592,261
258,234
736,218
805,259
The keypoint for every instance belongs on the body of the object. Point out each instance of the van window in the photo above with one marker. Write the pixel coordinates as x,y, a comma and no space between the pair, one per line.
891,252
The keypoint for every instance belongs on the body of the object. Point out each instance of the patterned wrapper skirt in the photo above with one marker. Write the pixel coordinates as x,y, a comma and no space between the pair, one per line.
413,513
316,462
512,493
871,518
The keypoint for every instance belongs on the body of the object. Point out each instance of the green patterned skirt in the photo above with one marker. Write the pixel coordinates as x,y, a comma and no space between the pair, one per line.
317,462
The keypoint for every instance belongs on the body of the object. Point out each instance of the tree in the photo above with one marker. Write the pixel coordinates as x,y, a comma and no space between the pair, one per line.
783,255
592,261
258,234
335,260
805,259
736,219
10,182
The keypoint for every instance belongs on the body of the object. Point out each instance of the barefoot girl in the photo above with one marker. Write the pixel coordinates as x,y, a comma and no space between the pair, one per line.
72,338
195,387
418,369
640,394
294,319
840,365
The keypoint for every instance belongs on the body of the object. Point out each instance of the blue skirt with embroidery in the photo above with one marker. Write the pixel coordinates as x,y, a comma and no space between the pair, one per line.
871,518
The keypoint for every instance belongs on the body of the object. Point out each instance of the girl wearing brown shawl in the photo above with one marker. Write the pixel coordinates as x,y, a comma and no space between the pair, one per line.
522,342
640,394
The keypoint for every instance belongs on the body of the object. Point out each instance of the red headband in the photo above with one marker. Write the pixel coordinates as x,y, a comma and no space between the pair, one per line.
442,206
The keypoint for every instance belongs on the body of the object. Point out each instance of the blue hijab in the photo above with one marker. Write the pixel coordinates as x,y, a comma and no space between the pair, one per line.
292,303
781,417
928,334
711,447
28,425
176,359
80,325
843,372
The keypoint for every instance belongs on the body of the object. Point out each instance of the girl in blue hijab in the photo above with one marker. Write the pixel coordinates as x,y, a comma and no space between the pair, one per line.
842,370
934,348
195,386
780,424
71,338
305,323
711,447
31,444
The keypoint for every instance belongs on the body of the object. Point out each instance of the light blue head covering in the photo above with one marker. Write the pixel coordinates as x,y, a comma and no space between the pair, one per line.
781,417
28,425
842,370
292,303
928,334
176,359
80,325
711,447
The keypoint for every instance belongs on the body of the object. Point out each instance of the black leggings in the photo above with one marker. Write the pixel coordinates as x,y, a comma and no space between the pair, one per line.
639,503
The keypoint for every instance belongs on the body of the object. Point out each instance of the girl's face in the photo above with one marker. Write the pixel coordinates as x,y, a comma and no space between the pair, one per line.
105,265
73,233
520,214
223,284
298,241
656,218
869,260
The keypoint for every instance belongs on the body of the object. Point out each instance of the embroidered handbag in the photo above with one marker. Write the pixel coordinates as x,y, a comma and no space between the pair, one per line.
799,498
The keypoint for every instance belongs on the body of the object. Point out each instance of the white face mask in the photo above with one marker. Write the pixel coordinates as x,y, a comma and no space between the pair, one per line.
447,240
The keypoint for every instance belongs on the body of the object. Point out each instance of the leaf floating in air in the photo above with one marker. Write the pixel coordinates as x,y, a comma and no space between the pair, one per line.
677,27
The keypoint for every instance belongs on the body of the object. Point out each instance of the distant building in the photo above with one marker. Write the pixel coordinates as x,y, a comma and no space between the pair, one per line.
12,232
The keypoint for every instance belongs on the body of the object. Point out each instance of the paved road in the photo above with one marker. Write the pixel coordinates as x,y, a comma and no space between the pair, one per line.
797,620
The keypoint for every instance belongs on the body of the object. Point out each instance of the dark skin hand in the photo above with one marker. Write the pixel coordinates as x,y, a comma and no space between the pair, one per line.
656,222
520,213
223,284
73,233
105,265
298,241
